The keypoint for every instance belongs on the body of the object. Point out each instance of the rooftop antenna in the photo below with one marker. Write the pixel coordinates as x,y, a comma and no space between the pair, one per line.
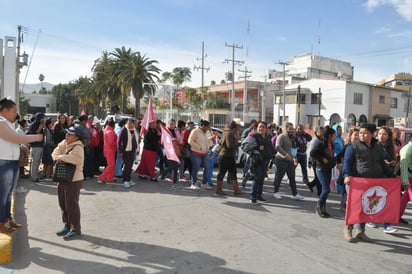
319,36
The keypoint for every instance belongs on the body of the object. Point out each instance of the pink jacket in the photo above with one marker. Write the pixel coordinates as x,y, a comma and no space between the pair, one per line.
110,140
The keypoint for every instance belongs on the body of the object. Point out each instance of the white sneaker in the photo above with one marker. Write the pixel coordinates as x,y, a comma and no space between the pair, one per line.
194,187
390,229
371,225
207,186
298,197
132,183
126,184
277,195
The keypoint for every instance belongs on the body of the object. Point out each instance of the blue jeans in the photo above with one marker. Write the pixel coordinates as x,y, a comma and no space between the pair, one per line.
324,178
197,161
212,158
303,162
357,226
257,184
9,174
285,167
119,163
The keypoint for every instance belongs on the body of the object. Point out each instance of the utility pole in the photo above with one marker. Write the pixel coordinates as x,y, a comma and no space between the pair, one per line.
319,105
19,65
284,95
232,100
245,71
298,98
263,93
407,108
202,68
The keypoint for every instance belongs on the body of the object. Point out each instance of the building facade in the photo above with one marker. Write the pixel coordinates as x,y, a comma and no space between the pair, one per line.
335,101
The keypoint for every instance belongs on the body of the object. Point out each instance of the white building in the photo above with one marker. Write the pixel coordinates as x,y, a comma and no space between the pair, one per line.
342,102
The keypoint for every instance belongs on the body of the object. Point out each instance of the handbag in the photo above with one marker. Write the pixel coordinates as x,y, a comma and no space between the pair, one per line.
64,172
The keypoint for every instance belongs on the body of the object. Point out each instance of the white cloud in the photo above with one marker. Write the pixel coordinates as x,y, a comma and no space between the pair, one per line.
384,29
402,7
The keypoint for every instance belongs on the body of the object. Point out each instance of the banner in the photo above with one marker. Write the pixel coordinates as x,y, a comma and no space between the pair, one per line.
375,200
148,118
167,142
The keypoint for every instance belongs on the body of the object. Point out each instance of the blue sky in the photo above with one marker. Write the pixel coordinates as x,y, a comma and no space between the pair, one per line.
374,35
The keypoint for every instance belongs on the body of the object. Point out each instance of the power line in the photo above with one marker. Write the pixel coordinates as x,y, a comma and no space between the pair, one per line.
232,103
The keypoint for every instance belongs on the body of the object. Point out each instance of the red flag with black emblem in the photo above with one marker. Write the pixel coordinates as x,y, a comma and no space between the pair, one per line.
375,200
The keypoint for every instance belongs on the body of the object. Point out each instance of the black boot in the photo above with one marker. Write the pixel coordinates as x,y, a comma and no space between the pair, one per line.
320,211
323,208
311,185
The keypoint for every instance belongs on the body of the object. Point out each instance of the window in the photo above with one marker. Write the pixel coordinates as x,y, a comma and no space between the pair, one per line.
315,98
394,102
278,99
381,99
358,98
302,98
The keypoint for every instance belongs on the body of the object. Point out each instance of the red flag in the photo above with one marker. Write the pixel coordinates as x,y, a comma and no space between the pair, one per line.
148,118
168,145
375,200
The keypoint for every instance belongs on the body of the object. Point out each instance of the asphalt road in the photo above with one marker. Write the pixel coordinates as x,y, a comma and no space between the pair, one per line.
153,228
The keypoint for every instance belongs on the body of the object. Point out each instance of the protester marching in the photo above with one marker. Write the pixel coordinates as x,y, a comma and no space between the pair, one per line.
364,167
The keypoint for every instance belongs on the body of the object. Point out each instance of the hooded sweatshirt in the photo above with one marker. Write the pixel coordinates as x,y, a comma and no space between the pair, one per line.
339,143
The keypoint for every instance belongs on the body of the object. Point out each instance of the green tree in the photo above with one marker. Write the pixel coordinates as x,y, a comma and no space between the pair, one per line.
178,76
24,105
108,90
84,89
66,101
132,70
41,79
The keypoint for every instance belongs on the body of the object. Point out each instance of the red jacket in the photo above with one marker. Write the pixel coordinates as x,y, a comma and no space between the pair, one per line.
110,140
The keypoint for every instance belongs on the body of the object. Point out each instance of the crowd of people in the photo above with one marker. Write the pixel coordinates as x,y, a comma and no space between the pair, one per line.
179,151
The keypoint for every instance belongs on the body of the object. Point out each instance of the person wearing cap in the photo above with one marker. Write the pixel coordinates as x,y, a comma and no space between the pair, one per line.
37,127
126,146
10,142
363,158
71,150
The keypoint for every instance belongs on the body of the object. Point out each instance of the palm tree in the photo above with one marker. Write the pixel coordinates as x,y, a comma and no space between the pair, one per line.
41,79
178,76
121,67
132,70
107,87
84,89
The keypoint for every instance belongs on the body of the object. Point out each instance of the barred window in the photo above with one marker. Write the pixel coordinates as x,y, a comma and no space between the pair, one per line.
358,98
394,102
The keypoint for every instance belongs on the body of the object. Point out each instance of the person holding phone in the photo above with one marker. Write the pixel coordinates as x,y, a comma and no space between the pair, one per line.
10,142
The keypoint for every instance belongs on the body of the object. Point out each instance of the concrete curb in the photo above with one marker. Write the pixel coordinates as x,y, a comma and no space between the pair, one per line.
6,240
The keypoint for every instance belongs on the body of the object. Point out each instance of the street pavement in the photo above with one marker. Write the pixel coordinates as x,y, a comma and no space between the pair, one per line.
153,228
